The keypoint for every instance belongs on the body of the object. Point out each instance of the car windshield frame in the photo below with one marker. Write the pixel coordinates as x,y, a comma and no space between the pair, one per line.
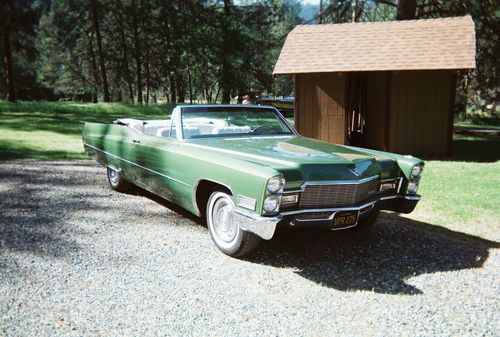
288,129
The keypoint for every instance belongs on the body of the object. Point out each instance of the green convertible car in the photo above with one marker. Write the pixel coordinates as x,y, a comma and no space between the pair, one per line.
247,170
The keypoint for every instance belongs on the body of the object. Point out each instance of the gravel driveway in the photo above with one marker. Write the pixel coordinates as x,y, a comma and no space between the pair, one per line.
79,259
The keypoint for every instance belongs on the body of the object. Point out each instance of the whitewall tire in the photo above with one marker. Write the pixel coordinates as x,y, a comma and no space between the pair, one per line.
224,230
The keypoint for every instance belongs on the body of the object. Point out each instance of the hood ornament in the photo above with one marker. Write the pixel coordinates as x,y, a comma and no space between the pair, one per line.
355,171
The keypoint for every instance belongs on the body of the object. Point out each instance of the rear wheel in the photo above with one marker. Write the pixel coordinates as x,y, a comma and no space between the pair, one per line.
117,182
224,230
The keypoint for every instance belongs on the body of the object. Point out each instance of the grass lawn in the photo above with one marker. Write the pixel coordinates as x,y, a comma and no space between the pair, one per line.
461,194
50,131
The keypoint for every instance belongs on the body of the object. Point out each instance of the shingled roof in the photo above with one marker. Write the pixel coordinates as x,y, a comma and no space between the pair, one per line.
447,43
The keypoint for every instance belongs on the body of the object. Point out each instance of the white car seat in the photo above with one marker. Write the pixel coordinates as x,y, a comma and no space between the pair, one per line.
231,129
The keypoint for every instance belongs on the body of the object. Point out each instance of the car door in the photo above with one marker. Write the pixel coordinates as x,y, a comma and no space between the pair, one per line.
153,158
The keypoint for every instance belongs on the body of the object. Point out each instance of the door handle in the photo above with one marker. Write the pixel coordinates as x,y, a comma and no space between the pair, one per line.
135,141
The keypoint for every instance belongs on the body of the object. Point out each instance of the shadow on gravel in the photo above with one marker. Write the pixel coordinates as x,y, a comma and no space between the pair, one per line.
380,261
165,203
34,212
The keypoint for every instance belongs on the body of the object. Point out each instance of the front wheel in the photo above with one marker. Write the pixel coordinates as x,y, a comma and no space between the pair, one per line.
117,182
224,230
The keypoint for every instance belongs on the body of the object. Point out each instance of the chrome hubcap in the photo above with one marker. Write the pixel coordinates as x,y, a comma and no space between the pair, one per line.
223,223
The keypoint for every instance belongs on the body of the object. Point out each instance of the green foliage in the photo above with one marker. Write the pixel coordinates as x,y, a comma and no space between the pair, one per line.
174,50
180,47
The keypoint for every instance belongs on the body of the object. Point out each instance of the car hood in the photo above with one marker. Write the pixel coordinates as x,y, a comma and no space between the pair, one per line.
302,158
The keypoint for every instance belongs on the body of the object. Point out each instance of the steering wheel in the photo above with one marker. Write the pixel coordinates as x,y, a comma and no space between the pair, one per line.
256,129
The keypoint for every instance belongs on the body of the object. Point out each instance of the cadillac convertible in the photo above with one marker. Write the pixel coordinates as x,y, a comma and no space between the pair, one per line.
246,170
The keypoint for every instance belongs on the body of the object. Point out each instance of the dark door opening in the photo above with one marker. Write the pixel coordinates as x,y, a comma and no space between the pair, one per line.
356,108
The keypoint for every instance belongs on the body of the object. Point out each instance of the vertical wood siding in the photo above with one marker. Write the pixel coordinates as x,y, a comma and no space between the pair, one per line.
320,101
376,110
420,108
408,112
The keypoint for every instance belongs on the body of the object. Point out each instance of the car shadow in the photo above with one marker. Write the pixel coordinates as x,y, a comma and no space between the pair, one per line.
383,260
138,191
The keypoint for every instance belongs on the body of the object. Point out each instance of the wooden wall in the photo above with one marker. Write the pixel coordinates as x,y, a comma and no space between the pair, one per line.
377,97
319,106
408,112
420,118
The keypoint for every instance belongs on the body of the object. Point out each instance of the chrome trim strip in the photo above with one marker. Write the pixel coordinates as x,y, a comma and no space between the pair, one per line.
283,119
292,192
400,184
337,182
415,197
316,219
142,167
369,208
257,137
389,197
313,210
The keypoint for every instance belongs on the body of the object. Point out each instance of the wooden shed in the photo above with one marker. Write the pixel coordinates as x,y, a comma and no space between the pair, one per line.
382,85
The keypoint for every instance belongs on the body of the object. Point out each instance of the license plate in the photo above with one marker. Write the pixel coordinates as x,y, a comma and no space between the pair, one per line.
345,219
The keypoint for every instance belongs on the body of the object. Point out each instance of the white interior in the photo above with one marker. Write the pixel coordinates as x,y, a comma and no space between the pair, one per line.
193,127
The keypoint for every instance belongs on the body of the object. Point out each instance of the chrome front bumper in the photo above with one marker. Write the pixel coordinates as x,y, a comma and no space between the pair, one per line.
265,227
261,225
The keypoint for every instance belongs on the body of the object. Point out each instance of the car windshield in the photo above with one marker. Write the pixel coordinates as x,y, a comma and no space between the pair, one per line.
204,122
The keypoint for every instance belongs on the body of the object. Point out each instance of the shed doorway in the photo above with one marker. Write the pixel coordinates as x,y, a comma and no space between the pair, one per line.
356,108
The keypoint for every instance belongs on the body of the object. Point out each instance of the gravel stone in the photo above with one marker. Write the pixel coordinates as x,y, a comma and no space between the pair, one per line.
77,258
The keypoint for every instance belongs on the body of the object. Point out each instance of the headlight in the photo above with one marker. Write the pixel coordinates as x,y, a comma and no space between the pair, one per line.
271,203
275,184
416,172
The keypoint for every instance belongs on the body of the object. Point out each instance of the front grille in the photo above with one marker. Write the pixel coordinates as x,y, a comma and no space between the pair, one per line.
337,195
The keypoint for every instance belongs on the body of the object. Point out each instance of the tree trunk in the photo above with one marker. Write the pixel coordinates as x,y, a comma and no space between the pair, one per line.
146,53
147,76
180,88
173,96
406,10
190,85
320,12
226,86
7,61
102,61
137,48
123,41
94,71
